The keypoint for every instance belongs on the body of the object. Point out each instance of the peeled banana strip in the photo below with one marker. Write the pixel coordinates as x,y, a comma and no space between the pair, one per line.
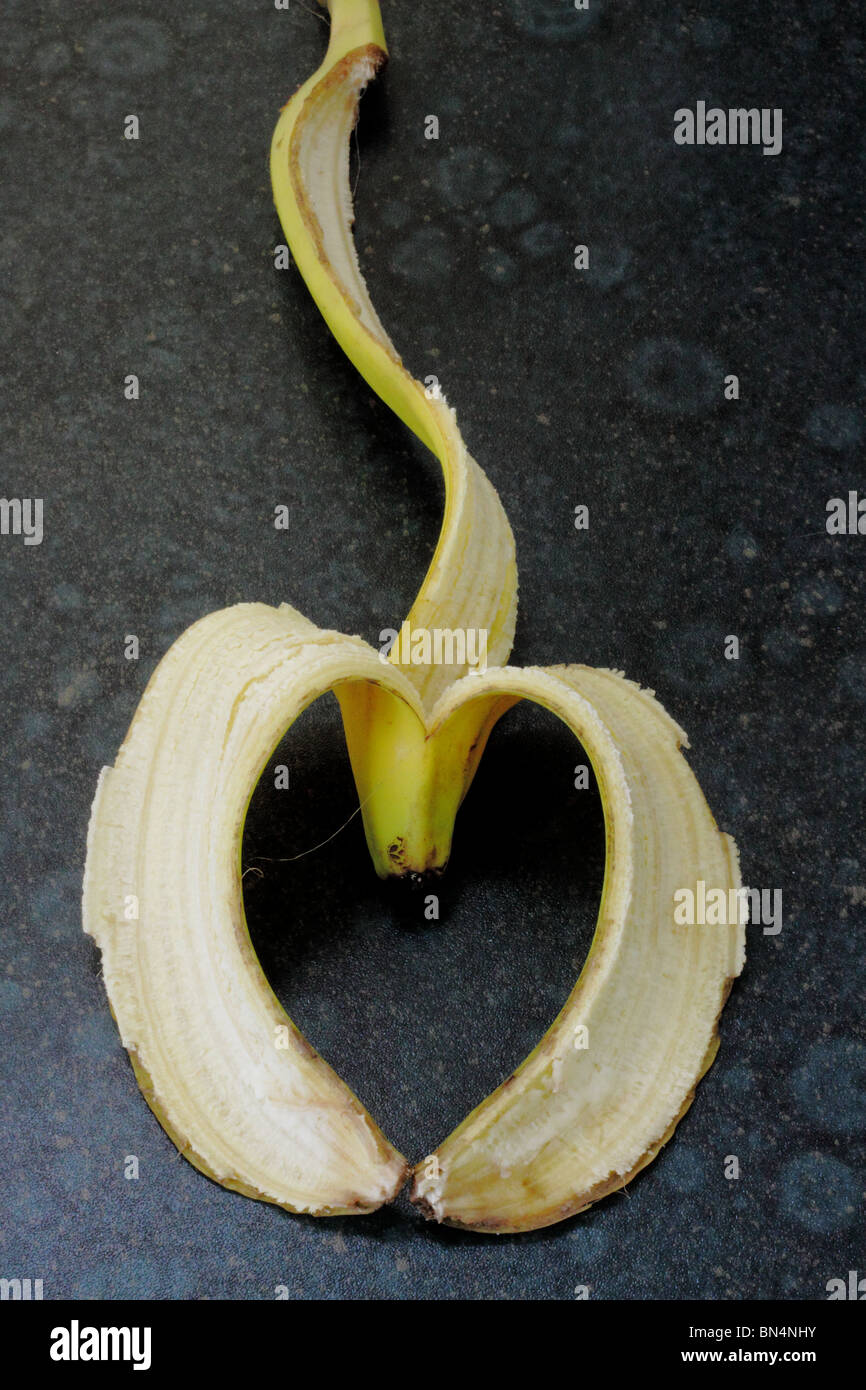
239,1090
606,1086
472,579
471,583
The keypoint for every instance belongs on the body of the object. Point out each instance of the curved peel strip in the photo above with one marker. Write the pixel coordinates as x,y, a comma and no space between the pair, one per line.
472,579
231,1079
588,1109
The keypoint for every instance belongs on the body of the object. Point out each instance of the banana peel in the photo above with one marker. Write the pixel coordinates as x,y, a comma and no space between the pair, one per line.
233,1082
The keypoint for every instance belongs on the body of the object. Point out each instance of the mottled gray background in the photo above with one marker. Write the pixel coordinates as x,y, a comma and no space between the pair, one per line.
707,518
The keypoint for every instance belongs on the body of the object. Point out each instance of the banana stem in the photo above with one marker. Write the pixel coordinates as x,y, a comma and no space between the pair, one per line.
411,781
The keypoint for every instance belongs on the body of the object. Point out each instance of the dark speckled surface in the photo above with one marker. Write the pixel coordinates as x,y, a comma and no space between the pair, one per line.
604,388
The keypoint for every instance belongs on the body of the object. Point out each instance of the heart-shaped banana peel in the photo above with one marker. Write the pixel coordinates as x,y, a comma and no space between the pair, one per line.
241,1093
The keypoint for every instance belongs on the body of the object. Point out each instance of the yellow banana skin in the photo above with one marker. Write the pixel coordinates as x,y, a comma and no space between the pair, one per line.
472,580
232,1080
236,1086
576,1122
